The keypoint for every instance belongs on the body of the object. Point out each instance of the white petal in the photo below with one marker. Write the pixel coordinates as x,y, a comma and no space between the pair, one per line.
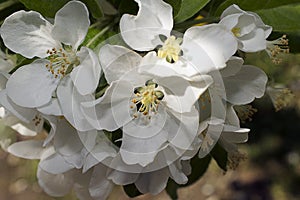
28,34
86,75
71,24
208,47
55,164
52,108
66,140
70,101
30,149
152,64
153,182
100,187
230,21
25,129
33,79
177,174
231,116
140,144
242,88
117,61
182,94
186,129
142,32
102,150
234,134
55,184
234,65
122,173
233,9
112,110
24,114
254,41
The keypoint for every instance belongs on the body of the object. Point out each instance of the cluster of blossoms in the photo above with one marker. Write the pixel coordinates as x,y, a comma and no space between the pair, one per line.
169,96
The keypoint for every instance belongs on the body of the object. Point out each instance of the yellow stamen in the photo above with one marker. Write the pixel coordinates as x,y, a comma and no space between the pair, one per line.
236,31
171,49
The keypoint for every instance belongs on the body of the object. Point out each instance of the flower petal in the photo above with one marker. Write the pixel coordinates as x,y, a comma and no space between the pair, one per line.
117,61
254,41
33,79
52,108
66,140
186,129
182,94
28,34
86,75
30,149
142,32
24,114
112,110
71,24
56,185
153,182
234,65
208,47
55,164
140,144
100,187
70,101
234,134
242,88
152,64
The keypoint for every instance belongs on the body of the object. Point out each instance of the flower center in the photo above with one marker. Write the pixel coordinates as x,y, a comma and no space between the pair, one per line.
236,31
62,61
147,99
171,49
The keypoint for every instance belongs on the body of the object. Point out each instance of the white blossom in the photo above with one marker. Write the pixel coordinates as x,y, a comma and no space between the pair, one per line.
153,112
248,28
29,34
200,50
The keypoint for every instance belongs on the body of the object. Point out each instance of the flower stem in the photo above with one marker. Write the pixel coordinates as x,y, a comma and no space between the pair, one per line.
101,33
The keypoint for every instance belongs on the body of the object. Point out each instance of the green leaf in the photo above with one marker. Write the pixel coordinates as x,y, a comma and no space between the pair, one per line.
47,8
189,8
253,5
131,190
94,8
283,18
171,189
176,4
220,156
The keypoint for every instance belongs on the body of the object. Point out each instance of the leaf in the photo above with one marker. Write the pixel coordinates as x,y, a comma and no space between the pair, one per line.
94,8
282,19
220,156
131,190
47,8
253,5
189,8
171,189
176,4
